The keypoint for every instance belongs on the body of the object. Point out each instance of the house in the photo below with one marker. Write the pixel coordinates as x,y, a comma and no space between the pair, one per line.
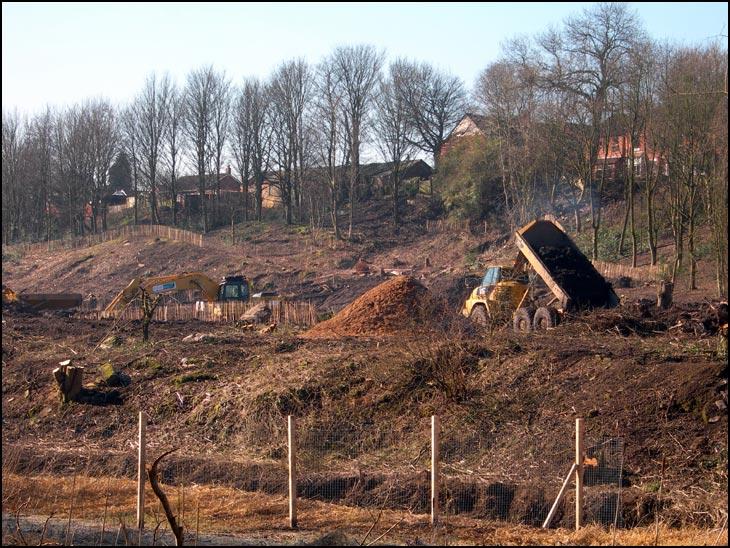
187,190
471,124
615,160
270,190
118,201
378,176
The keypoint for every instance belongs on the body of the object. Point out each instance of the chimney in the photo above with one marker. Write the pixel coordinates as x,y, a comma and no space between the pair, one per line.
228,169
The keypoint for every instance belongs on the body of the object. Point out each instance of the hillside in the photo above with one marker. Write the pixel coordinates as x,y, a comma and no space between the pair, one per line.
503,399
364,384
308,264
296,261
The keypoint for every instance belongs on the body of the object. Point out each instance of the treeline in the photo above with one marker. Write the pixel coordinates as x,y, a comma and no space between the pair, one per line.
557,106
305,123
551,106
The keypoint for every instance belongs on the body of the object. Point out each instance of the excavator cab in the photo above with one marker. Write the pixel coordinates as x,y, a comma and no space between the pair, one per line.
234,288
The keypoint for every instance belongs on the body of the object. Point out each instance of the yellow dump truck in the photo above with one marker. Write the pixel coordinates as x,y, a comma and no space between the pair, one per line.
546,253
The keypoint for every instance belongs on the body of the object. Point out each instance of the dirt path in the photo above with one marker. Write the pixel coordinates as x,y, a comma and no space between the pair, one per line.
86,533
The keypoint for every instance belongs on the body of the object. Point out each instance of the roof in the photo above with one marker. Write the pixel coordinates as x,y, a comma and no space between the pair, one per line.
408,168
189,183
414,168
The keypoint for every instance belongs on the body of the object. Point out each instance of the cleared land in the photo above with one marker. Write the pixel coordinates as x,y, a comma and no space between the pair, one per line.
363,394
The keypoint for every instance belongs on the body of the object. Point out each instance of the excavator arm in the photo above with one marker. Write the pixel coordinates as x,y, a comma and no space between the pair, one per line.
165,284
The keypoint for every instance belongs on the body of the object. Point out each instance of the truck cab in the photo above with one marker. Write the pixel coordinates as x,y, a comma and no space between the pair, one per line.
501,289
234,288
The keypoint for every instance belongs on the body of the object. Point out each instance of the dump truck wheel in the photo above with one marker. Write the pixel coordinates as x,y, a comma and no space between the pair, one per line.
478,315
545,318
522,320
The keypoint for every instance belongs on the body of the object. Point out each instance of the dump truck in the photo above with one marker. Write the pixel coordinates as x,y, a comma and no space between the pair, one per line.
230,288
36,302
546,253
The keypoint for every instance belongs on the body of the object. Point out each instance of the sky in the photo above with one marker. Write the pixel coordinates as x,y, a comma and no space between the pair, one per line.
62,53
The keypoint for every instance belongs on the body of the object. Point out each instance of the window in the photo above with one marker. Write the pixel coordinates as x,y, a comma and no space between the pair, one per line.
491,277
232,292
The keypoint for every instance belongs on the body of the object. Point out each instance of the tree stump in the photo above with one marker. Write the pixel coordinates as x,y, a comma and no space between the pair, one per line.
70,380
664,295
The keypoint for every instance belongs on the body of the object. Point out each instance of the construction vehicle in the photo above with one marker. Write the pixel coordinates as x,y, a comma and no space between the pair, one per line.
547,254
36,302
230,288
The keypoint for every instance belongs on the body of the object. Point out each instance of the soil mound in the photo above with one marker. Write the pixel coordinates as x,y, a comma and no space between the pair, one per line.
576,275
387,309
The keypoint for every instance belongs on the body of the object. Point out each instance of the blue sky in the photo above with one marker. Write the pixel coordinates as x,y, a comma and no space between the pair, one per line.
62,53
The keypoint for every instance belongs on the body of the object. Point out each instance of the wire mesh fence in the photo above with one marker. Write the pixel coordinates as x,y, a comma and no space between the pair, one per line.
523,488
246,485
367,469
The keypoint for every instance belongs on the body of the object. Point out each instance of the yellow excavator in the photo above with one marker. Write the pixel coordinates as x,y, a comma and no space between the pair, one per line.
547,253
231,288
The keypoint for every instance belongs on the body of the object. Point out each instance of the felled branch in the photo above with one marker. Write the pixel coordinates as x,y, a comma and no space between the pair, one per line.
176,529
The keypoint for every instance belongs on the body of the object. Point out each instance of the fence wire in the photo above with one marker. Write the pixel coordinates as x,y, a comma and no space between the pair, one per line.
367,469
246,486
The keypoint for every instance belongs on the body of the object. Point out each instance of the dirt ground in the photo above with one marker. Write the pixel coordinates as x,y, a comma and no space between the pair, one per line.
507,402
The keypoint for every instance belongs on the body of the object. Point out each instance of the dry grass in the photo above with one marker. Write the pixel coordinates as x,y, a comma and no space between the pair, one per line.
228,510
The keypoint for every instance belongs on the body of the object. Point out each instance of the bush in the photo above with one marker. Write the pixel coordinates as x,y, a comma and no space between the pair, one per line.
468,179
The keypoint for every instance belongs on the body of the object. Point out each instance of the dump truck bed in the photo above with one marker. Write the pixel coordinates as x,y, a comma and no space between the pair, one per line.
564,268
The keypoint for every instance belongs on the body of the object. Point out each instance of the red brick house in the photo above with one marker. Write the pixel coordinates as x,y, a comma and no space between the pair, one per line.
616,159
187,192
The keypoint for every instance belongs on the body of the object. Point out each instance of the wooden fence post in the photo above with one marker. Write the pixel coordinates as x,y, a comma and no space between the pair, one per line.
578,473
435,434
292,473
141,470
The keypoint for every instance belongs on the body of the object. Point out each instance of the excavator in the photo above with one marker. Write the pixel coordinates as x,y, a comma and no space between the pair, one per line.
231,288
546,253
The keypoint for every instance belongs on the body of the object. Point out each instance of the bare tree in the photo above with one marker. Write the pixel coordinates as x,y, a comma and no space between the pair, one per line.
435,102
198,128
357,69
693,100
151,113
508,97
104,145
131,147
290,92
332,143
394,132
174,142
221,118
13,137
586,61
260,131
242,140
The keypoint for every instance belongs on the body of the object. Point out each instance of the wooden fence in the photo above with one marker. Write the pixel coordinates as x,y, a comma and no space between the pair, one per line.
647,273
159,231
447,225
299,313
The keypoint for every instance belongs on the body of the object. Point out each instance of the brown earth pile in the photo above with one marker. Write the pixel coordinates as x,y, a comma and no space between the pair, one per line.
387,309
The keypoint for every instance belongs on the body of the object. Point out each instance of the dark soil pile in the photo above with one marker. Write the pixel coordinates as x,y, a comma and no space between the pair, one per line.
388,309
576,275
